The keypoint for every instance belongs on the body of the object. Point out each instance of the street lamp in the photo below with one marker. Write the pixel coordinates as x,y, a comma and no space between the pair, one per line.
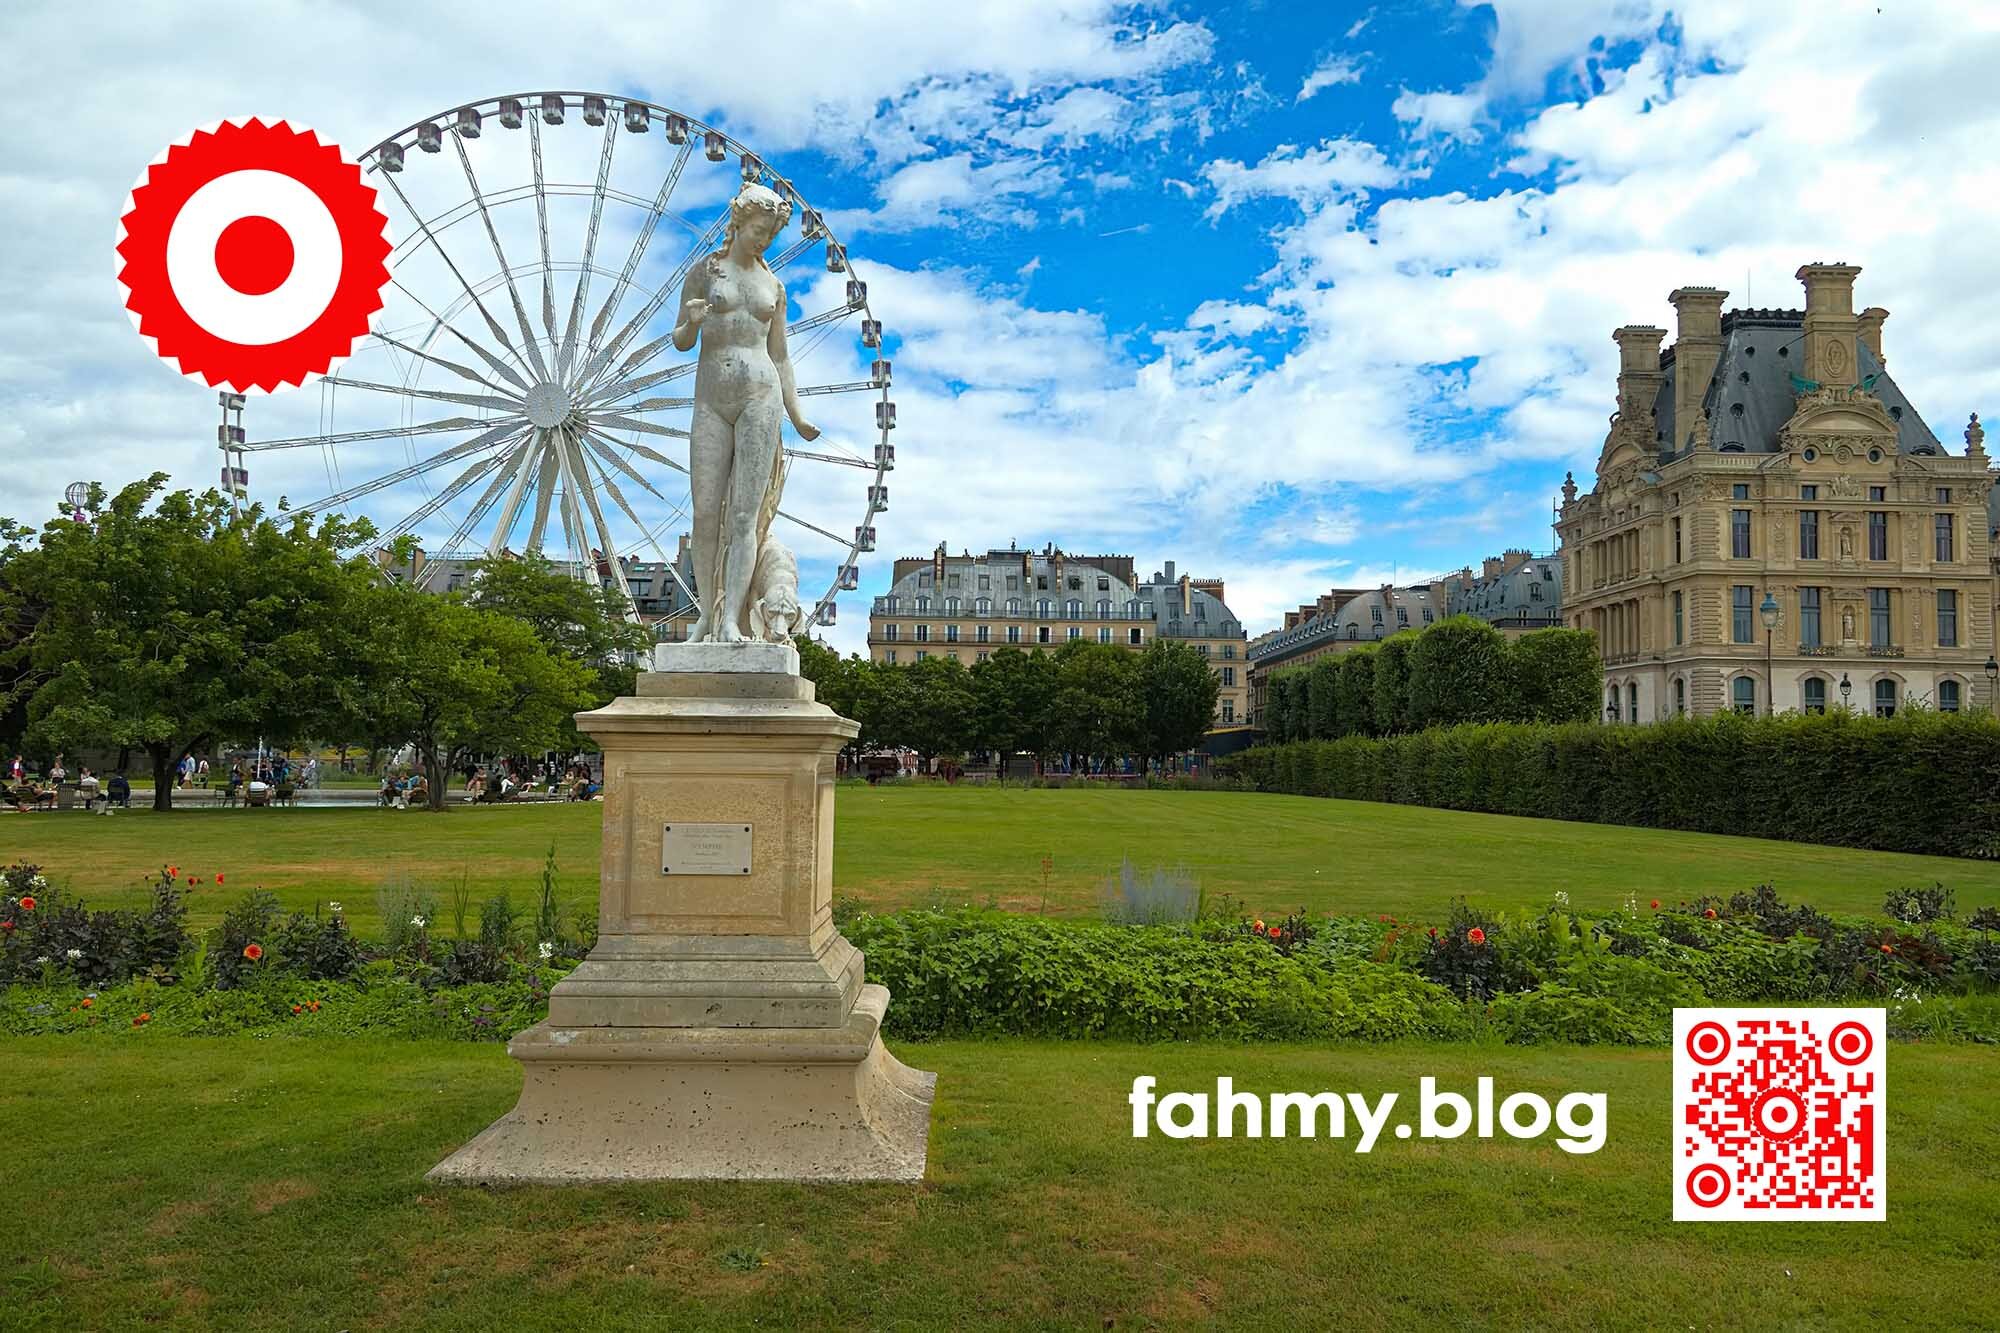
1846,688
1992,682
1768,613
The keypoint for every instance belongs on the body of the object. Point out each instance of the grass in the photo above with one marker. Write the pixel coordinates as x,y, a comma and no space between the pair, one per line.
904,845
277,1184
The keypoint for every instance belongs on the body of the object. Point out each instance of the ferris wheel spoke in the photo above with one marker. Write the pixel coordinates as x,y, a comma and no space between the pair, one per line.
499,367
528,342
841,459
595,443
835,538
545,489
793,251
617,422
593,370
644,451
823,318
542,228
589,247
523,468
385,433
645,237
437,395
492,324
656,405
485,440
625,388
569,446
618,498
459,486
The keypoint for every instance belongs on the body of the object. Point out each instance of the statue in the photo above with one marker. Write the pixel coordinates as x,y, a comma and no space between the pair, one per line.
1846,542
1847,624
743,381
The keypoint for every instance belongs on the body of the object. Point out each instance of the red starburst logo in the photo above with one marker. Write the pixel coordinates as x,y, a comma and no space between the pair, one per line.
252,256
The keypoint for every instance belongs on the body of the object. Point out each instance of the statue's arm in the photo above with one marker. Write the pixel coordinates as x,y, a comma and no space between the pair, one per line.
694,307
781,357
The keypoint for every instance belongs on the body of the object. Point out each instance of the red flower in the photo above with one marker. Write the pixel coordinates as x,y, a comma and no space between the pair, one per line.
145,1018
136,1023
86,1002
1434,932
1656,904
1258,927
191,881
1888,948
1276,931
6,925
1710,914
295,1009
27,904
218,877
173,872
313,1005
1476,935
253,951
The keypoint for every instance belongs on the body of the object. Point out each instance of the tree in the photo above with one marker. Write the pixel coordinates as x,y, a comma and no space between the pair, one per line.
447,677
1321,682
847,686
584,621
1392,682
1458,673
1013,692
1354,691
1557,676
1278,694
1177,693
1098,709
941,708
183,626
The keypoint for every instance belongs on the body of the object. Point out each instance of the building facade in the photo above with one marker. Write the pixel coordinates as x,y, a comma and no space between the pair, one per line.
966,606
1517,592
1773,526
1341,620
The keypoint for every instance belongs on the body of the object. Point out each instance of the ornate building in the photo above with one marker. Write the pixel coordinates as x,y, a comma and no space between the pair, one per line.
965,606
1773,526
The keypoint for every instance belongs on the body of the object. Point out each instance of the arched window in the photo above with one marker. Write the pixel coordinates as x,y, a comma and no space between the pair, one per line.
1815,694
1885,697
1104,608
1743,694
1947,696
1680,697
1042,608
951,606
1611,713
1073,608
983,606
1354,631
1632,700
1013,606
923,603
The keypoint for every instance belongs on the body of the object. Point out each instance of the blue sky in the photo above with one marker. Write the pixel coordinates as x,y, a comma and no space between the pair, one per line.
1293,294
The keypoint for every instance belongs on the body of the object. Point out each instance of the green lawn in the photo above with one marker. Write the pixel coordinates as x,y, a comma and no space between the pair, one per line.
912,844
278,1184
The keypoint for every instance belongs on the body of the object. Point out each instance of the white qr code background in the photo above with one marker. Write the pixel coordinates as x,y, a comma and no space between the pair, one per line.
1779,1115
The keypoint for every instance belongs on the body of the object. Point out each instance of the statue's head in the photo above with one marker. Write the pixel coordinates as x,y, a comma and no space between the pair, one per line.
757,209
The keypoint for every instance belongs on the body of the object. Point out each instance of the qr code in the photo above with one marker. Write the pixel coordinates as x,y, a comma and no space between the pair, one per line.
1778,1115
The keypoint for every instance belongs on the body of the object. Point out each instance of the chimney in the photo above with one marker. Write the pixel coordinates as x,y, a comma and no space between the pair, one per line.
1831,326
1697,350
1489,568
1639,376
1871,332
1513,559
1170,572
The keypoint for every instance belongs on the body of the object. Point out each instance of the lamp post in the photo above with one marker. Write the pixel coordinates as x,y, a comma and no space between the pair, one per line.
1846,688
1611,712
1768,613
1992,682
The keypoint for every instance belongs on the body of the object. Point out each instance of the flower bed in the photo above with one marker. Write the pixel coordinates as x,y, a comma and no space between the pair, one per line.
1524,977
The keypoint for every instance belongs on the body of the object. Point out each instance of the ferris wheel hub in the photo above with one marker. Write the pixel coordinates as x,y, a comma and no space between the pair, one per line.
548,405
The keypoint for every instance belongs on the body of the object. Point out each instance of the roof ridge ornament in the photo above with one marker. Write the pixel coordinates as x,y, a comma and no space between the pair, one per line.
1975,438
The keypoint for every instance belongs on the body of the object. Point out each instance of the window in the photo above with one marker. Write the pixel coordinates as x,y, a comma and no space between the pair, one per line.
1104,634
1941,526
1354,631
1878,493
1013,606
1743,694
923,656
1947,696
1075,633
1104,608
951,606
1534,595
1042,582
924,580
1073,608
1740,491
923,634
1809,534
1878,535
1885,698
1808,492
1739,534
1138,635
1402,615
983,655
1677,541
890,657
951,580
1228,651
1944,495
1229,675
890,631
1042,634
1228,710
1680,695
1375,613
983,606
1680,622
985,583
951,634
1201,648
1427,615
1104,583
1809,617
1741,614
1075,583
1013,582
1611,705
1815,694
923,603
1947,599
890,604
1042,607
1632,700
1013,634
982,634
1878,617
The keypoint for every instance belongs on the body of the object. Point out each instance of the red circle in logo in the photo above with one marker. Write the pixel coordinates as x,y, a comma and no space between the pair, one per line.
1851,1043
1707,1043
1779,1114
1708,1185
253,255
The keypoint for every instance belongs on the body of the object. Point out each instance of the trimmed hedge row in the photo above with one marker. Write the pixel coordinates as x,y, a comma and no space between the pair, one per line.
1920,782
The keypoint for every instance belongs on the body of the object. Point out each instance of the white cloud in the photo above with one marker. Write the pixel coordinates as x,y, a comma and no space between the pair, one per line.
1329,73
1334,168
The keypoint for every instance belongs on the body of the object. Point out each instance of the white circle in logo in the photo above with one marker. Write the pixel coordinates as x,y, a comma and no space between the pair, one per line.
234,316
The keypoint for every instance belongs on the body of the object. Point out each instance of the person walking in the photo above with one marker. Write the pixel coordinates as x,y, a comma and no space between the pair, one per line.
201,773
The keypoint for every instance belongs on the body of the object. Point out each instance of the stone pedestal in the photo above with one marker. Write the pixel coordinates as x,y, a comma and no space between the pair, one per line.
720,1029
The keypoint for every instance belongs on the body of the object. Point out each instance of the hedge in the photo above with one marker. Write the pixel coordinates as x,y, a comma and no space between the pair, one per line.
1921,782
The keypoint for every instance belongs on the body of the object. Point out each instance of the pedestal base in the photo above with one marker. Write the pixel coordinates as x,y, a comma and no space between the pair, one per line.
609,1104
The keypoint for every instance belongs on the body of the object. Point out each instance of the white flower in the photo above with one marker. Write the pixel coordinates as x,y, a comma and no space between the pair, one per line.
546,949
1562,898
73,955
417,921
43,960
39,882
333,907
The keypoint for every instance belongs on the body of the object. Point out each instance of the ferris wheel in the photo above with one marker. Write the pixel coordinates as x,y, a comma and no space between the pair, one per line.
521,391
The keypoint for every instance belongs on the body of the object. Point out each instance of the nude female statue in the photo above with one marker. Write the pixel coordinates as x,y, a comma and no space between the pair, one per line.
743,383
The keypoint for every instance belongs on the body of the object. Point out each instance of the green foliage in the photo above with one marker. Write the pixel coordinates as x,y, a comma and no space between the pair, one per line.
1099,708
1392,683
1556,676
1162,898
1177,694
1354,692
42,933
1015,694
1840,779
1459,673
